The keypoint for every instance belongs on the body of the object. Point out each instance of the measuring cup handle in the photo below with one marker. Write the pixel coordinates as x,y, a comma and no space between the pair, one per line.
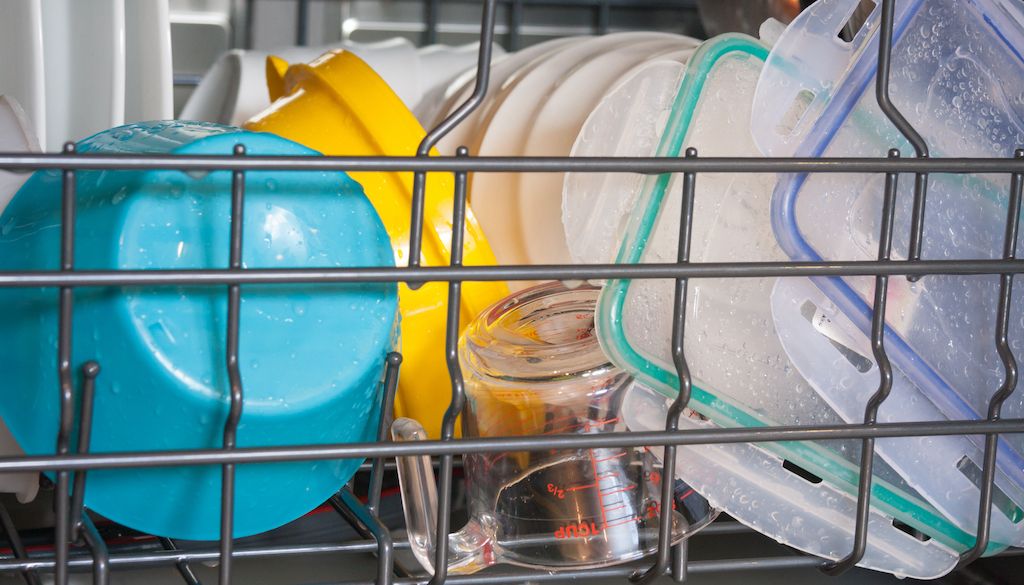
471,549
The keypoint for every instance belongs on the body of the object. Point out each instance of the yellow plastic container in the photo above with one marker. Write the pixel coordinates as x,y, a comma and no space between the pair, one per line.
339,106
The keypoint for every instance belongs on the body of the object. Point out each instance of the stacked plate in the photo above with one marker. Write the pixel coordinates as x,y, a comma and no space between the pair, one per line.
84,66
539,100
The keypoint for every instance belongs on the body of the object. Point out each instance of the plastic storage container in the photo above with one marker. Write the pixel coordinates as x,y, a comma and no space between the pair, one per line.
958,78
742,375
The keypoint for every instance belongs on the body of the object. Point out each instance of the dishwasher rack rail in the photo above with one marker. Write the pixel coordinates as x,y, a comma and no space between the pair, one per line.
73,524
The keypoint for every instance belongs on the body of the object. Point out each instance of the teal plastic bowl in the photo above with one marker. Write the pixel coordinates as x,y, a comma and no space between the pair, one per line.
311,356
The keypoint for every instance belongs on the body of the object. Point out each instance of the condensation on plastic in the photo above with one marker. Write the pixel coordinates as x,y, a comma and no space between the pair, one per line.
958,77
835,357
738,477
743,376
627,121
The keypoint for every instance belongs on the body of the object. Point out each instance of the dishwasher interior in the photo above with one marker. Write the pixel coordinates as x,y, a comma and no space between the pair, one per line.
488,421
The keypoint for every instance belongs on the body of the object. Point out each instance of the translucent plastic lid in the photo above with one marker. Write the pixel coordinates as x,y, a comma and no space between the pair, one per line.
958,77
835,357
742,374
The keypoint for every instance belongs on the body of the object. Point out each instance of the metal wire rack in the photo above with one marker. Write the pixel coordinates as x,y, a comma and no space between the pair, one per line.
73,524
600,11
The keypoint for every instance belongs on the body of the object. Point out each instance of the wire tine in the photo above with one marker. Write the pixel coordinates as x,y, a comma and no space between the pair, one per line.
867,455
603,17
882,94
515,23
661,565
431,16
349,506
387,409
483,73
62,529
451,350
17,546
302,23
90,370
353,520
182,565
227,501
1009,367
680,558
242,17
98,549
883,97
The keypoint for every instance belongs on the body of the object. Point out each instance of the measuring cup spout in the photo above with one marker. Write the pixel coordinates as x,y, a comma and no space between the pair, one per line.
470,548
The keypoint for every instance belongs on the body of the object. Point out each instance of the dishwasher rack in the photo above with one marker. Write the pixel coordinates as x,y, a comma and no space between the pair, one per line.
74,526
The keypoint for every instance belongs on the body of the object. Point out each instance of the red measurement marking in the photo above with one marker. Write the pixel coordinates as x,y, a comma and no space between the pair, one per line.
590,424
602,460
654,509
631,519
581,487
600,497
619,507
556,491
580,530
571,428
620,490
494,460
686,494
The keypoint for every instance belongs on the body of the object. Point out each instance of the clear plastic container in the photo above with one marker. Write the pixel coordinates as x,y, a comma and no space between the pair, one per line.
958,77
533,366
742,374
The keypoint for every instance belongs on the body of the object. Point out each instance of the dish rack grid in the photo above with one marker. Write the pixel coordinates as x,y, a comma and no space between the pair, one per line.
73,524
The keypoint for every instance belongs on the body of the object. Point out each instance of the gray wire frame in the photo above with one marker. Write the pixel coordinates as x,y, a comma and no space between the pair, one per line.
73,524
243,12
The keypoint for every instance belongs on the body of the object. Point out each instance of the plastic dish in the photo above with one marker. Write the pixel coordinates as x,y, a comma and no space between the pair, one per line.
21,77
497,196
556,123
628,121
84,70
960,78
16,135
741,372
339,106
235,87
149,77
504,74
311,357
450,69
499,130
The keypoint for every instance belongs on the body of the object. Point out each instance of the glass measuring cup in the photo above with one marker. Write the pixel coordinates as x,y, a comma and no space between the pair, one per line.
533,366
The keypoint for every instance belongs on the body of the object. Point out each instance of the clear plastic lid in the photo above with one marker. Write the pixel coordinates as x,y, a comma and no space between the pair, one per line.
835,357
958,78
742,374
